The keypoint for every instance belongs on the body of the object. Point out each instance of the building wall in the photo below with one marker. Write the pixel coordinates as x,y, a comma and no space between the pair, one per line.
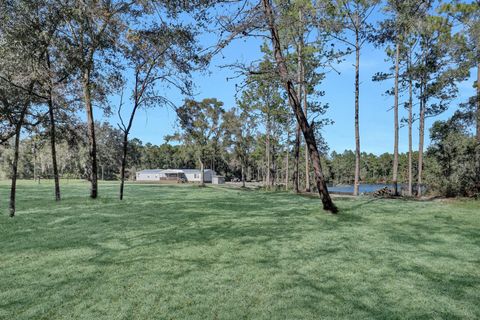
197,177
148,176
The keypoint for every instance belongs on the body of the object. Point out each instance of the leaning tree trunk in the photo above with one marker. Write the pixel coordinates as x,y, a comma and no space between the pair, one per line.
91,134
395,112
307,160
124,164
357,124
410,144
53,147
296,162
297,109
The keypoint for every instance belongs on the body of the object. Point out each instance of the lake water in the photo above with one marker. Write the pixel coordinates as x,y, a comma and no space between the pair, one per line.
363,188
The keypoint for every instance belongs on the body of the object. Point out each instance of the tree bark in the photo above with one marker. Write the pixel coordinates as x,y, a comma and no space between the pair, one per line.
357,124
287,156
296,163
91,134
297,109
13,188
243,176
267,153
302,90
307,160
410,123
202,173
421,139
124,164
296,152
395,112
53,147
478,102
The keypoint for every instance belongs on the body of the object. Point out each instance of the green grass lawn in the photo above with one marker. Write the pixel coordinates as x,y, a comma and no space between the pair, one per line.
184,252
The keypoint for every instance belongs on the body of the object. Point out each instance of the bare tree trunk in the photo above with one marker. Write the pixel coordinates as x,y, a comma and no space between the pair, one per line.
274,167
124,164
296,152
307,160
296,163
267,153
202,173
53,148
302,89
34,161
13,188
478,102
243,175
91,134
297,109
53,135
287,156
395,112
421,140
357,125
410,121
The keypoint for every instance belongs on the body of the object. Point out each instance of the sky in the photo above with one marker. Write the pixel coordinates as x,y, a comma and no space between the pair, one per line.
376,121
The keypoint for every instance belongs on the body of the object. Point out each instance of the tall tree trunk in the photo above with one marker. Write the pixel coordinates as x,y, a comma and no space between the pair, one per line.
274,167
243,175
267,153
395,112
124,164
13,188
302,90
35,161
307,160
357,122
410,123
53,147
297,109
296,162
53,134
91,134
202,173
296,152
478,102
287,156
421,139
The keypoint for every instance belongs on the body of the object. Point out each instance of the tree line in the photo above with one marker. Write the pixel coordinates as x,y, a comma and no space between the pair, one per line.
59,58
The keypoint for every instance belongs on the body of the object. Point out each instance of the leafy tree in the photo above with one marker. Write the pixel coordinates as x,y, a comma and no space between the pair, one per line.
239,127
308,133
435,73
91,37
200,124
399,30
452,170
468,46
163,54
351,17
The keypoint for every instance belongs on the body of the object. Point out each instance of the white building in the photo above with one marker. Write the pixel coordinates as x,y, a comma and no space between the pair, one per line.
189,175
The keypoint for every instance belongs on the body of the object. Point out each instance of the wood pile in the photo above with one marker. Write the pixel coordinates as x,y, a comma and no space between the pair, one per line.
384,192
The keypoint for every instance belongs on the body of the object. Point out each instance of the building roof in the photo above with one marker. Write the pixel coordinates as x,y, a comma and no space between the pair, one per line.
151,171
157,171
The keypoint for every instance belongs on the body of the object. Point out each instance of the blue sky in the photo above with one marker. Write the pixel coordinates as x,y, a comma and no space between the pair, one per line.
376,122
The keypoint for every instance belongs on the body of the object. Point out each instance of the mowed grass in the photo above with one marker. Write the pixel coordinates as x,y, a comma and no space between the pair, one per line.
184,252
